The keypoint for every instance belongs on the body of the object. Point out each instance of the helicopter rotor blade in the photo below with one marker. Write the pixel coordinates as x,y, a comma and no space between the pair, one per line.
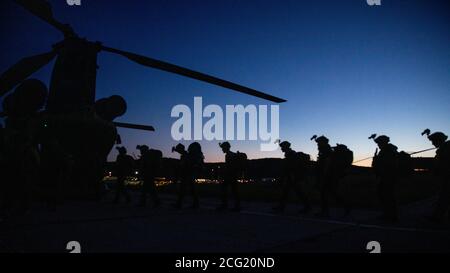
22,70
146,61
134,126
43,10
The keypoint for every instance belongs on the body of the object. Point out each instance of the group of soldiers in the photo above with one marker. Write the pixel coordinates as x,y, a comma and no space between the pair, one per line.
333,164
46,154
190,167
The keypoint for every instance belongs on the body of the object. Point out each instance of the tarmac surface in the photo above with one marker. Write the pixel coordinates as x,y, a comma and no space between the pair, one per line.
105,227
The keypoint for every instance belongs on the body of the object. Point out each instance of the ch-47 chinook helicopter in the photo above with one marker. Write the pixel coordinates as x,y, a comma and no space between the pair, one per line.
81,122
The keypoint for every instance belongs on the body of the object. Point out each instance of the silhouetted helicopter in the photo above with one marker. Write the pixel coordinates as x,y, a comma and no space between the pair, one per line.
73,85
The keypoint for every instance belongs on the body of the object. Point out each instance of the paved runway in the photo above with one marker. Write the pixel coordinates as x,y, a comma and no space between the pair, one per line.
104,227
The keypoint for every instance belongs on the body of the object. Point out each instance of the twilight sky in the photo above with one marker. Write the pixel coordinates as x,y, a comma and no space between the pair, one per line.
347,69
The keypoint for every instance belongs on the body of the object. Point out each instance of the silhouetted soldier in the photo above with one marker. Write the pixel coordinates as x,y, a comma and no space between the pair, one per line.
293,175
124,168
322,172
231,172
21,141
186,174
385,165
150,163
196,162
341,160
442,170
56,169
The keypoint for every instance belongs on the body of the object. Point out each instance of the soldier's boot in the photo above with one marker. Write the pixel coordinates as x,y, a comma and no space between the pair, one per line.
128,198
142,202
278,208
177,205
117,197
222,207
347,212
323,213
237,204
388,218
195,204
156,203
236,208
306,209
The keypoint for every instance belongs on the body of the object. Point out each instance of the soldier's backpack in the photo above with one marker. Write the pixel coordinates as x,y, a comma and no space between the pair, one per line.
155,157
405,164
241,161
343,157
303,160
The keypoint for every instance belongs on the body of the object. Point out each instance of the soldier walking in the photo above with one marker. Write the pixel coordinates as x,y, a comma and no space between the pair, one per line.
293,175
124,168
233,169
149,165
187,170
385,165
442,170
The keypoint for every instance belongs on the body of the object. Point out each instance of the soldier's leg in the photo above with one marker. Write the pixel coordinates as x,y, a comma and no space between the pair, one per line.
387,199
443,203
122,190
235,191
119,189
224,193
284,193
392,200
181,192
324,198
341,201
301,194
381,196
153,192
194,193
144,190
125,192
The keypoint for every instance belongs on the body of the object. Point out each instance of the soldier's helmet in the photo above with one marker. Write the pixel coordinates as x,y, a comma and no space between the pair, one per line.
142,148
29,96
225,145
121,150
322,140
285,145
382,139
110,108
179,148
438,137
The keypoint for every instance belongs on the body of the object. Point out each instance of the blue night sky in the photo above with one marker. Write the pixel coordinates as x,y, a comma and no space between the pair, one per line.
347,69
